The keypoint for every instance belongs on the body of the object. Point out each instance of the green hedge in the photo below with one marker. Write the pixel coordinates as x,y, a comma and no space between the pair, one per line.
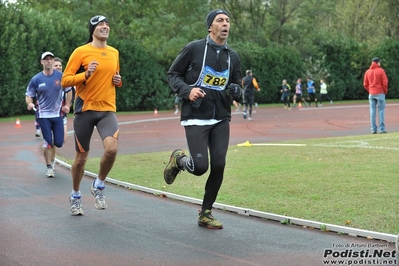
26,33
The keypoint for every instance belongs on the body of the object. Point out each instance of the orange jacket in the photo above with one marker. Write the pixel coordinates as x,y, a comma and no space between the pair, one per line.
375,80
254,83
97,93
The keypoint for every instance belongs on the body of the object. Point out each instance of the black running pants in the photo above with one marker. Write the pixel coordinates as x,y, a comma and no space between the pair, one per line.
215,140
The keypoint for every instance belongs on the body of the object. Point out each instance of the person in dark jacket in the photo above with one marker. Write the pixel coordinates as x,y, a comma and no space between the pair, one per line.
376,84
206,74
285,94
250,84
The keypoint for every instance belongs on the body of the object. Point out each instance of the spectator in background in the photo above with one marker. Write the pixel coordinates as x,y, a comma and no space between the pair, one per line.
376,84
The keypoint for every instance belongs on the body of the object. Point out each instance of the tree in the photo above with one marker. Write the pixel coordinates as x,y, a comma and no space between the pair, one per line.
277,39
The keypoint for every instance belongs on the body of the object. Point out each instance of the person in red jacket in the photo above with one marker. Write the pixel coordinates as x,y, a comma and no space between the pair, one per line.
376,84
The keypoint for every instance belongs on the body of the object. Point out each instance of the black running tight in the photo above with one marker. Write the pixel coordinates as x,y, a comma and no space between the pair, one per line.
200,140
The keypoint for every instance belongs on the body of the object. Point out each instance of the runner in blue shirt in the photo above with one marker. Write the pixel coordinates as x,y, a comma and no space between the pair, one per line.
46,87
311,92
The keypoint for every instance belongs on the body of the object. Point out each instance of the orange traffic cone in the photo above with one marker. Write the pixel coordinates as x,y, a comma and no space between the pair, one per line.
299,105
155,111
18,123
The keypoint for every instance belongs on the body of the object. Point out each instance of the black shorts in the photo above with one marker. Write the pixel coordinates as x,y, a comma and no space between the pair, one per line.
84,123
249,99
311,96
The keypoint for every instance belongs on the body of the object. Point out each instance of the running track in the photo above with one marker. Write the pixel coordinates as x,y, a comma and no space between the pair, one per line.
141,229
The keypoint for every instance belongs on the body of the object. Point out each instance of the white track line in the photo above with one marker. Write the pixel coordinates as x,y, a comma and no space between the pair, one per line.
312,108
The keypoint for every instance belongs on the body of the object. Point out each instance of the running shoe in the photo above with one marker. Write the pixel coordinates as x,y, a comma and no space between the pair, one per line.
98,193
50,172
206,219
76,205
53,163
172,169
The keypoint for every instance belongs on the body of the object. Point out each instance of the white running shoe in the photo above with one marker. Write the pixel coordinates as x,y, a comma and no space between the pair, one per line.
98,193
50,172
53,164
76,205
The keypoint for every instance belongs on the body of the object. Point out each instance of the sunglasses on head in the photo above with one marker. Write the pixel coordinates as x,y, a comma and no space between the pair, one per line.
96,19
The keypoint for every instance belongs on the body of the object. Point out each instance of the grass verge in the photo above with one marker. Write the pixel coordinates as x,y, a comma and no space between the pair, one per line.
348,181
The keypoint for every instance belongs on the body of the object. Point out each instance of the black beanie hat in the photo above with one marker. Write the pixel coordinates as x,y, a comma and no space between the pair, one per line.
376,59
93,24
211,16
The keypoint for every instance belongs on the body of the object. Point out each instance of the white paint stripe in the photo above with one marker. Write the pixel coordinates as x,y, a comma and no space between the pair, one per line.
148,120
357,146
358,122
342,107
363,143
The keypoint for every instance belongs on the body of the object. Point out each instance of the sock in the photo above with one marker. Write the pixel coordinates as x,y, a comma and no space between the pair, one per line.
49,166
99,183
76,194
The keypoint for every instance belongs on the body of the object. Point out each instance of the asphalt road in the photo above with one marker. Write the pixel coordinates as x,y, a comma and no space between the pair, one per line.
138,228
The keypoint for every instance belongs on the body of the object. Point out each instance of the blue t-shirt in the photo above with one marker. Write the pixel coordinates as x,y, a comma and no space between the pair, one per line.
48,92
311,88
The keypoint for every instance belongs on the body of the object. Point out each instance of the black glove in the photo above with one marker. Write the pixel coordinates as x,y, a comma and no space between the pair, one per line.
234,90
